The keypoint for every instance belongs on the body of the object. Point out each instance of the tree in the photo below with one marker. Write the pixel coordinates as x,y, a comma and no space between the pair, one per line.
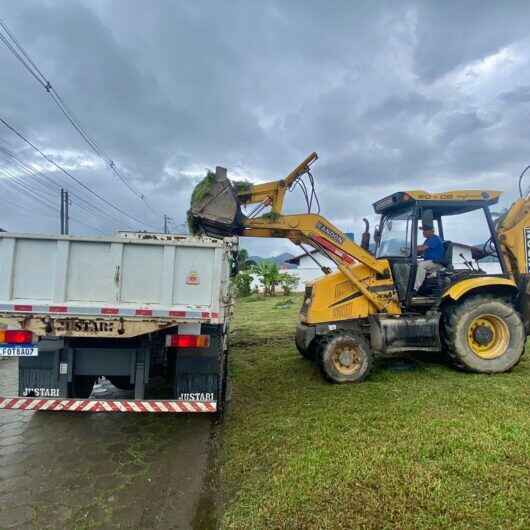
289,282
242,283
268,275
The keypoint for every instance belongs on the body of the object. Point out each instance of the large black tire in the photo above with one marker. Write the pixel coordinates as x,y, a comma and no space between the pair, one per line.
344,357
484,334
82,386
306,353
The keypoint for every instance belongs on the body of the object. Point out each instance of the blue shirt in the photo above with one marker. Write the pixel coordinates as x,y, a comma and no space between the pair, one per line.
435,248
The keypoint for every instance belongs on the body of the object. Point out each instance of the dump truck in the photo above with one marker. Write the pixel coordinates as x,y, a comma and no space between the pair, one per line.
369,307
148,312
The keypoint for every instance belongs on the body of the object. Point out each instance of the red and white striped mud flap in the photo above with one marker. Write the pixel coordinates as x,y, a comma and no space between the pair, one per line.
107,405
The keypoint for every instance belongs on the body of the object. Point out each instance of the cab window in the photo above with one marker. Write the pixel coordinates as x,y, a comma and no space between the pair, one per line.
396,235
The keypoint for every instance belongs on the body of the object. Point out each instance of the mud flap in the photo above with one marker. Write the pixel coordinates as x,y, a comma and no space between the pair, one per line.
198,372
46,375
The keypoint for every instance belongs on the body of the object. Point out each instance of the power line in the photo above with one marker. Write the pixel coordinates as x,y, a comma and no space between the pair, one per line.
27,209
35,173
28,192
68,174
20,53
43,200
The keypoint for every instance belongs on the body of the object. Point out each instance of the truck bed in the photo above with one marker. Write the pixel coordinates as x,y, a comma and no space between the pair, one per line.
183,278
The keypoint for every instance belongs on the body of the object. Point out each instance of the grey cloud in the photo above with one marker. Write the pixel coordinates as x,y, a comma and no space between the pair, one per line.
519,95
452,33
171,88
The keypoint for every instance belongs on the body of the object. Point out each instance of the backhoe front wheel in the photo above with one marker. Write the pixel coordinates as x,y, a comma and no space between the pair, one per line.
484,334
345,357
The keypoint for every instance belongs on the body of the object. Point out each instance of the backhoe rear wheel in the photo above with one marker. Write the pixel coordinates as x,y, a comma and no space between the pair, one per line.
345,357
484,334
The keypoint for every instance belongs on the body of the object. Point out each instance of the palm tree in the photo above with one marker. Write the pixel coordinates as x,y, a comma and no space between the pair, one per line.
268,275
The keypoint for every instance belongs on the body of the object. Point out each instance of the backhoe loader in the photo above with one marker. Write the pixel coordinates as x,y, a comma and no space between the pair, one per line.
367,307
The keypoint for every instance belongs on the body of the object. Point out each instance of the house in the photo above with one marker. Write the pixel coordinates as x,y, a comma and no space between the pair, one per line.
306,267
307,270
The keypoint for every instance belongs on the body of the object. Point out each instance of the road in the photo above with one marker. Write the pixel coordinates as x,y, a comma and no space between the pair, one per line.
87,471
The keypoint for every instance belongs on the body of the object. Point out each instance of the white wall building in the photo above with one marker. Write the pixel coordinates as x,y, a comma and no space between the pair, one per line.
308,270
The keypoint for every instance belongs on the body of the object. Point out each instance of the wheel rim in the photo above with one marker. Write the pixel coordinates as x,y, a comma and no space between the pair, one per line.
346,359
488,336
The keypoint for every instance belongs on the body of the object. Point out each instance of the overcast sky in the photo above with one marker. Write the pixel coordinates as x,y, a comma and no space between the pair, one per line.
392,96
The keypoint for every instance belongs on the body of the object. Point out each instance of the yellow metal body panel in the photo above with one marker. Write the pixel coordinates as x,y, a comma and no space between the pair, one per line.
459,289
512,233
454,195
334,298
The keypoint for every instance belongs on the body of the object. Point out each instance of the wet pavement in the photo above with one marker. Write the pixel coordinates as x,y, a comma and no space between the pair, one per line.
89,471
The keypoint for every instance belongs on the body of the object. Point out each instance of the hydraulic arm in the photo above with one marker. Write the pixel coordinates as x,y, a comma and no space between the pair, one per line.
308,228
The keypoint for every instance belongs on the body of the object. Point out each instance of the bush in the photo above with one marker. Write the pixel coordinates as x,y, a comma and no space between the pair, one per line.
288,282
242,282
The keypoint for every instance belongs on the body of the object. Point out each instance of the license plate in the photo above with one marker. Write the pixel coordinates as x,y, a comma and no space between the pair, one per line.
19,350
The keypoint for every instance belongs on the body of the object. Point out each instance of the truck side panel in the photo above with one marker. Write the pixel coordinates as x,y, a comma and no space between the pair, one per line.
84,271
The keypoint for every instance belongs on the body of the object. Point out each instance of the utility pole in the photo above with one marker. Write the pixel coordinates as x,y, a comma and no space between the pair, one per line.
66,212
165,224
65,217
62,211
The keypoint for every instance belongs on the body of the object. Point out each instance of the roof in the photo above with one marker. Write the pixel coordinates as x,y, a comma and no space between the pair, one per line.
296,259
445,203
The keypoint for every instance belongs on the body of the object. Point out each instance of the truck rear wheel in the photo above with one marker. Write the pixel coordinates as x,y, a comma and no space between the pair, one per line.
345,358
484,334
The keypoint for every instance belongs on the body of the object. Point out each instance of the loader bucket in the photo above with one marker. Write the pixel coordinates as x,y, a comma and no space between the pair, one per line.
215,209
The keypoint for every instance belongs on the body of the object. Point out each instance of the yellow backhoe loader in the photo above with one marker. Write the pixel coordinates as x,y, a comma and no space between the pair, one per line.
367,307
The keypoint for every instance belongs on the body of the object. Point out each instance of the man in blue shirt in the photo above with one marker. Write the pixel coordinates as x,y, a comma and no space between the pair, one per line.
432,250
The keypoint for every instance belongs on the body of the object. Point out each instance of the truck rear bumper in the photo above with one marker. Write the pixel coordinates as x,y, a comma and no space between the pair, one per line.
107,405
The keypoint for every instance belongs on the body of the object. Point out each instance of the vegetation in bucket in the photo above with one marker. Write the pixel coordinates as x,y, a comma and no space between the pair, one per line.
193,224
202,189
200,192
241,186
215,208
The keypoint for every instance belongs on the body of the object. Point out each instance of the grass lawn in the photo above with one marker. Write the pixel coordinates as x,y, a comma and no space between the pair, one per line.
428,448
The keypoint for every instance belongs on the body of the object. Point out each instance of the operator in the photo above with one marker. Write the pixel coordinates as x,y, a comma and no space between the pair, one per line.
432,251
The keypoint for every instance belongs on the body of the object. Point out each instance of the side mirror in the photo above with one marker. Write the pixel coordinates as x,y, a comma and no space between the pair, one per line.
427,218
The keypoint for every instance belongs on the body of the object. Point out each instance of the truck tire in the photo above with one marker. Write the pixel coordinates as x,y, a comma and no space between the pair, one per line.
82,386
484,334
345,357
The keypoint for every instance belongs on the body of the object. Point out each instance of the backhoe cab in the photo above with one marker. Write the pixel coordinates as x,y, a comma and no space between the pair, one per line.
367,307
402,215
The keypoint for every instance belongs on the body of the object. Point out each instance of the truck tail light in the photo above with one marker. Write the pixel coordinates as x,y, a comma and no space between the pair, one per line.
187,341
16,336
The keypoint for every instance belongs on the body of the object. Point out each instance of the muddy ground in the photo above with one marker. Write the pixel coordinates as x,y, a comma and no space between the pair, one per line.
87,471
